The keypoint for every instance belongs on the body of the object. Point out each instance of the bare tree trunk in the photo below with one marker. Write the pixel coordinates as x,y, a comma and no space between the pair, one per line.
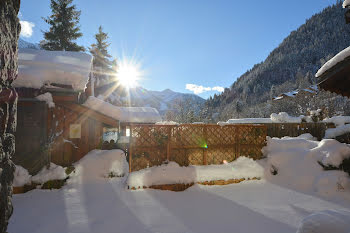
9,33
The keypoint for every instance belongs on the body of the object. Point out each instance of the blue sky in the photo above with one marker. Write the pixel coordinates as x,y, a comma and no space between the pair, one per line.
200,42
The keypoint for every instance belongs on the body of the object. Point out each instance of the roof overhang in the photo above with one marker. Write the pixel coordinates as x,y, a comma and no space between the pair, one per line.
337,78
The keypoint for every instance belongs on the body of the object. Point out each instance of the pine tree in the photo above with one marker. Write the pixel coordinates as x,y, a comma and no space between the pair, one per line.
64,28
100,50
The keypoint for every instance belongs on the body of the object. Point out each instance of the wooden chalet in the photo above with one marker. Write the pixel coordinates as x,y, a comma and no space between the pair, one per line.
64,131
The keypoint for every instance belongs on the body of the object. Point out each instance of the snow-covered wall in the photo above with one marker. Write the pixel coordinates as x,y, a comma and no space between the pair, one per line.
40,67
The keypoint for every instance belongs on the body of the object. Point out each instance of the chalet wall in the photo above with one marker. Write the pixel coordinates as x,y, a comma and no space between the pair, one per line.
65,150
31,135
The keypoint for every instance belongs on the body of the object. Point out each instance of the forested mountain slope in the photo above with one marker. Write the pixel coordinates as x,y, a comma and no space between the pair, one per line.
291,65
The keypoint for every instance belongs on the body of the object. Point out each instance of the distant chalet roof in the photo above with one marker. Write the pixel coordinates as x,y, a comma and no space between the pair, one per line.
124,114
292,94
39,68
334,76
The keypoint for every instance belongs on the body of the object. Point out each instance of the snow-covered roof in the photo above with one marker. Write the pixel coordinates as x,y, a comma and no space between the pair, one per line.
124,114
312,90
40,67
346,3
332,62
281,117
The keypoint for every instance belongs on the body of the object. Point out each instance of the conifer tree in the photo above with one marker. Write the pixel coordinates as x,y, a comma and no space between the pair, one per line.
100,50
64,28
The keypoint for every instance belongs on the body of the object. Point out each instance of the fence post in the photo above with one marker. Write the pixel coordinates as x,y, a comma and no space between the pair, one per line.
168,143
205,151
130,150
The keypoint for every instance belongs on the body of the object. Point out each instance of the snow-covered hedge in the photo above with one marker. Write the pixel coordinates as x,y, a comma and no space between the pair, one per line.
297,164
53,172
172,173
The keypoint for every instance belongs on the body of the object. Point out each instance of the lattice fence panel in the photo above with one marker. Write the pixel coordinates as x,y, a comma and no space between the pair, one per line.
180,156
187,136
147,157
152,145
221,135
150,135
219,155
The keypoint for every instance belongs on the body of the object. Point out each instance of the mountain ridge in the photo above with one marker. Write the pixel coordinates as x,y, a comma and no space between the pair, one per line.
291,65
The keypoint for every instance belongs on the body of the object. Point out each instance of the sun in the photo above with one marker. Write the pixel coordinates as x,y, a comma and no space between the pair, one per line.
128,73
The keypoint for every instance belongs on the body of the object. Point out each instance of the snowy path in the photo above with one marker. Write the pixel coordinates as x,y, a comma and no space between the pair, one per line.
103,207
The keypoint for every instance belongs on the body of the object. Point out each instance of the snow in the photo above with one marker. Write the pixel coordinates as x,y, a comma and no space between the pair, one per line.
346,3
335,60
54,172
311,89
281,117
338,120
124,114
172,173
99,164
249,121
40,67
21,177
167,123
297,163
47,97
335,221
338,131
91,203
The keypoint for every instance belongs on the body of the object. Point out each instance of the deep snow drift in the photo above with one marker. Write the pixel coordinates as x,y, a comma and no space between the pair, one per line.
296,161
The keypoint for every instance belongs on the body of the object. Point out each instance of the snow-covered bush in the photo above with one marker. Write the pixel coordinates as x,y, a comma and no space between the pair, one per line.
21,177
298,163
172,173
99,164
53,172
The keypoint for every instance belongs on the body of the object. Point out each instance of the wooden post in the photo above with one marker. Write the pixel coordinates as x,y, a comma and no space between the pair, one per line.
205,152
130,150
168,144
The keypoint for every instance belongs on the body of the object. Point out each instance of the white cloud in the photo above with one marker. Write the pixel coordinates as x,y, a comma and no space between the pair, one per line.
219,89
198,89
26,28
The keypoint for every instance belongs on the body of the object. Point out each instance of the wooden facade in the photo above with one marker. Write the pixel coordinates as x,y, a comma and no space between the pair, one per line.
62,135
65,148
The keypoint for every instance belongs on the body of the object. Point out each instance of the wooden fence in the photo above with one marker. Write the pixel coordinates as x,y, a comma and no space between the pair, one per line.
295,129
152,145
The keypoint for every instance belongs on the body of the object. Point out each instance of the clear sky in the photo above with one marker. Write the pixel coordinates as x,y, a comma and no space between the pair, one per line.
203,42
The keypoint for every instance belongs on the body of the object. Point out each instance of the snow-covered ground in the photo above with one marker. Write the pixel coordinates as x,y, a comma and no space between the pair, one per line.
91,202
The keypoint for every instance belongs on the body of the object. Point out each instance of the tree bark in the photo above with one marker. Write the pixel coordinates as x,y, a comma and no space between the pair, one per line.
9,33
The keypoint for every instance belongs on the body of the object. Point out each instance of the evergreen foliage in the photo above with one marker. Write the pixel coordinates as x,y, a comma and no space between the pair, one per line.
64,28
99,50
